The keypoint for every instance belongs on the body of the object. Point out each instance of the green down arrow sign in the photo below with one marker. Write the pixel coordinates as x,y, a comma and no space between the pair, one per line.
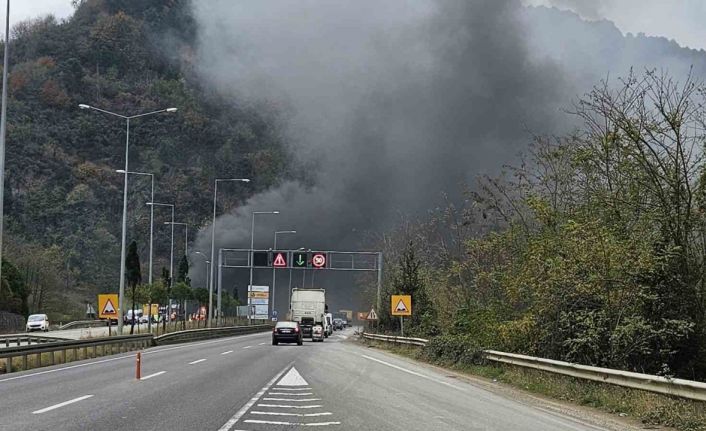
300,259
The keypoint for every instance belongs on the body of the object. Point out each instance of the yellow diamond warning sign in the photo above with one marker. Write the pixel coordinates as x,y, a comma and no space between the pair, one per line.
108,306
401,305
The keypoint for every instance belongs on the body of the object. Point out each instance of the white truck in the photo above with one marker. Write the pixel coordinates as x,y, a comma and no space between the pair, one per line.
308,308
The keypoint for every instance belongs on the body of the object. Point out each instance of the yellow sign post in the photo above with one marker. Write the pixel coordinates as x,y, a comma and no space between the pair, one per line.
401,305
108,306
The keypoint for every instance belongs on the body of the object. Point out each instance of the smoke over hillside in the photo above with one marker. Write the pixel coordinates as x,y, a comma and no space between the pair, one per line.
388,104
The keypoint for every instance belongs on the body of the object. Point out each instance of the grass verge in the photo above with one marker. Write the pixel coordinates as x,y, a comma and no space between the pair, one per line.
650,408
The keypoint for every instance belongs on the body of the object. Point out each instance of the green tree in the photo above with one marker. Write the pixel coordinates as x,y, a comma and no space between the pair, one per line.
133,276
183,271
182,293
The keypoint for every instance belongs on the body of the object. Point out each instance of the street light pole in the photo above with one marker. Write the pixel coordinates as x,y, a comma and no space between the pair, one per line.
120,171
3,127
252,240
186,235
274,276
121,292
171,253
213,248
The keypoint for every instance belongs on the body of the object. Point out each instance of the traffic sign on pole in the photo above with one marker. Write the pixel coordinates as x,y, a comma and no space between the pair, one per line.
299,259
318,260
401,305
108,306
372,315
280,260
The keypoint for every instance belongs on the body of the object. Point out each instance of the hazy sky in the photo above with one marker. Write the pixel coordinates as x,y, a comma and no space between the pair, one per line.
681,20
21,10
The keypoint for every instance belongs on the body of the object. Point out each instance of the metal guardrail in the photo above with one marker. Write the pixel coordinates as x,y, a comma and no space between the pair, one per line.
111,345
122,343
395,339
689,389
84,324
206,333
7,340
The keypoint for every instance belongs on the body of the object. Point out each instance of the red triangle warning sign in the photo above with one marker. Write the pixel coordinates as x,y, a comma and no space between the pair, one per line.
109,308
280,261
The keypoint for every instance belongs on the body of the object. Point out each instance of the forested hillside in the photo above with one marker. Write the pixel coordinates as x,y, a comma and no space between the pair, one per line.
63,198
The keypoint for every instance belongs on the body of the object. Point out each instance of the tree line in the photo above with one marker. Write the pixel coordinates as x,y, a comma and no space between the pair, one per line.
591,249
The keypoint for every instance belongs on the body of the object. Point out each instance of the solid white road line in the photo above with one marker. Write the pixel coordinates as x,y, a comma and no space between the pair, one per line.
296,400
65,403
299,415
196,361
292,394
159,373
225,353
280,406
311,424
128,356
236,417
414,373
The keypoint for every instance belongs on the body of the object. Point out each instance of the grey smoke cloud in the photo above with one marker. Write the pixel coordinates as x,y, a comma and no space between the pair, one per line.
398,102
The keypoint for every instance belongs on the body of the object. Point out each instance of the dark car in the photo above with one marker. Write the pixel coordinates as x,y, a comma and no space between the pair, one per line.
338,324
287,332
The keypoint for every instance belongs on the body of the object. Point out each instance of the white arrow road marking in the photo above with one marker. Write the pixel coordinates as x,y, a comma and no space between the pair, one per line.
65,403
236,417
292,378
159,373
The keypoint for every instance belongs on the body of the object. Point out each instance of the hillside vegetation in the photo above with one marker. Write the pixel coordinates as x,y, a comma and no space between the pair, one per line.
63,199
591,251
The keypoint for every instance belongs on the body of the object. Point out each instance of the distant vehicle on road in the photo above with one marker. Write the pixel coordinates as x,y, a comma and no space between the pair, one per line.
287,332
308,308
143,319
317,333
328,324
127,319
37,322
338,324
345,322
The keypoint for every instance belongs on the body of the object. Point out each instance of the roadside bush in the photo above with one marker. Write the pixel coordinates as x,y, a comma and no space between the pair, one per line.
453,349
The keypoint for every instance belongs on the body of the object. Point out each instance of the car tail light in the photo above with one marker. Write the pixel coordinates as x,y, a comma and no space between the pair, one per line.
274,330
296,329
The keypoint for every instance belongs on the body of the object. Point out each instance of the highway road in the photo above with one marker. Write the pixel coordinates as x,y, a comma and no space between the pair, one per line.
245,383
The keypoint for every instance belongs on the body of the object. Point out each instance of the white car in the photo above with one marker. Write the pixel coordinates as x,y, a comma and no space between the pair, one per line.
38,322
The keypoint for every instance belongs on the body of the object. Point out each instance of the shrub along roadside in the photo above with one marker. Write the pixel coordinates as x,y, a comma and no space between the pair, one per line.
460,353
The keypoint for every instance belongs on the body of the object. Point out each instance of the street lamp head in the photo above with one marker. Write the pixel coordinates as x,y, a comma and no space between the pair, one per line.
171,109
245,180
84,106
274,212
120,171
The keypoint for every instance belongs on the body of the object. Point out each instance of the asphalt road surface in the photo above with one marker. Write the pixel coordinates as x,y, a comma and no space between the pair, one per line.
245,383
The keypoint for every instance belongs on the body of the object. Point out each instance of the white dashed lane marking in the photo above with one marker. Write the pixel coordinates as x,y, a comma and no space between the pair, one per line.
196,361
56,406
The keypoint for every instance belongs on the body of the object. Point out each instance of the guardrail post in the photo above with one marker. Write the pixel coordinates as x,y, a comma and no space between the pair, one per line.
8,365
24,362
39,359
